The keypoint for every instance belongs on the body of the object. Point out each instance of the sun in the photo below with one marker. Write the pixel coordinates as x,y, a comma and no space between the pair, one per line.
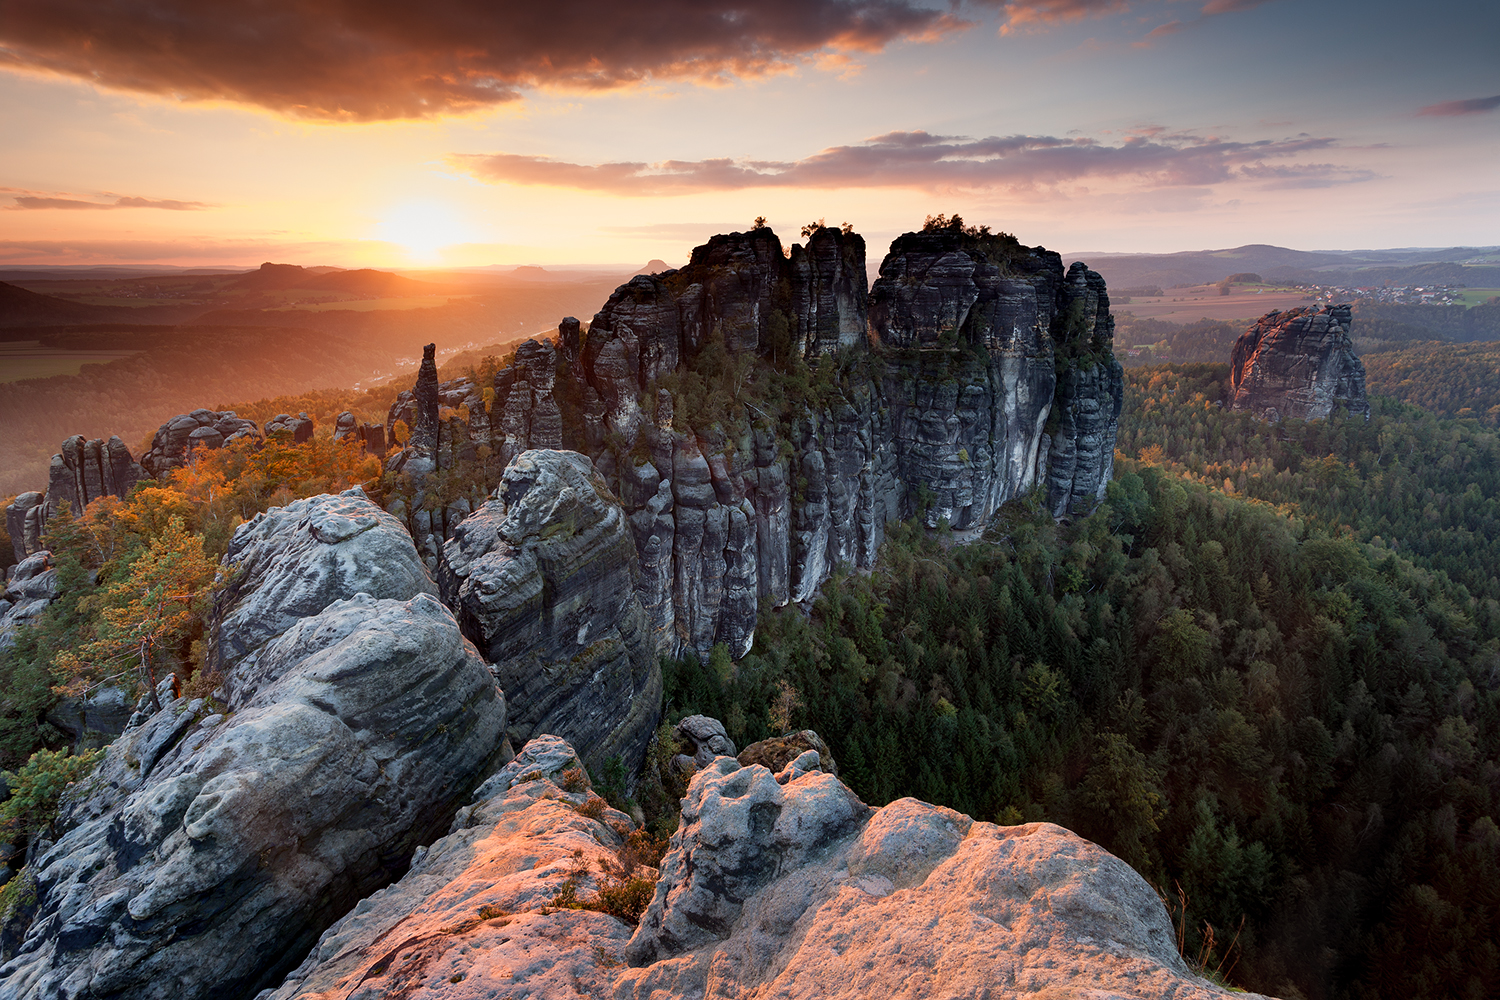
424,228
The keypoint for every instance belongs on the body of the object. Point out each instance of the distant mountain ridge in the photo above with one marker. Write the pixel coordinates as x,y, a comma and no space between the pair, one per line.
1477,267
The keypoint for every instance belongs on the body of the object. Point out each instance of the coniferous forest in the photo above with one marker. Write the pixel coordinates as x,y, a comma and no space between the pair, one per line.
1263,671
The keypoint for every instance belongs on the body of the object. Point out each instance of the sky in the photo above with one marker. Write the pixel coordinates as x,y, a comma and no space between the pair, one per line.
489,132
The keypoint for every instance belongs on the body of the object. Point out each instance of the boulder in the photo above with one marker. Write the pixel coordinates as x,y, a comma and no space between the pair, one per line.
96,718
779,751
798,890
1298,364
704,739
541,578
345,425
217,840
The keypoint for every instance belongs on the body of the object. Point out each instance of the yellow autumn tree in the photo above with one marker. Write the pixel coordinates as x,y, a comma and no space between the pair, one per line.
149,619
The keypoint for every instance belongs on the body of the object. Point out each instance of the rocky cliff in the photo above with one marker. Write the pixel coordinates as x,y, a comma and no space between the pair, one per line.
541,578
216,841
1298,364
762,414
783,885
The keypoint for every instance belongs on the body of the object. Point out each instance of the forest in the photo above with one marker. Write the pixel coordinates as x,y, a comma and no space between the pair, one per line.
1263,671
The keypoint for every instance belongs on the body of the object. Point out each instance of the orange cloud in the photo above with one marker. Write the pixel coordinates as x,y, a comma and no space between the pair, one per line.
1042,12
1472,106
337,60
937,163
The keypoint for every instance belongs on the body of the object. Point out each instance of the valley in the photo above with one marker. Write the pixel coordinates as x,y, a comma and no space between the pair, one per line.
1179,635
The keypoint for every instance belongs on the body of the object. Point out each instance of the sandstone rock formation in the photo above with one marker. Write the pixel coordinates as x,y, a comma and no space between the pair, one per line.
86,470
988,371
292,562
703,739
777,888
471,919
199,429
30,586
297,429
541,579
25,516
216,841
1298,364
370,437
81,472
779,751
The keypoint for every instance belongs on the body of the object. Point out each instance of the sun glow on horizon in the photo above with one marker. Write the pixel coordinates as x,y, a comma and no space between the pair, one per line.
425,228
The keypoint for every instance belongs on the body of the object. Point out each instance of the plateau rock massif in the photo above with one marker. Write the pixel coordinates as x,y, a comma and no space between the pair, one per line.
1298,364
782,885
761,414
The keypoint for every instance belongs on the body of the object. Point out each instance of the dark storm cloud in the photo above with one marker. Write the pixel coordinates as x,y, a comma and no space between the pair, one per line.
922,160
338,59
1472,106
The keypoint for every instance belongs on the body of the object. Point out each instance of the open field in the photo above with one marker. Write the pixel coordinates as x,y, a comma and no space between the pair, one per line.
24,359
368,305
1187,305
1477,296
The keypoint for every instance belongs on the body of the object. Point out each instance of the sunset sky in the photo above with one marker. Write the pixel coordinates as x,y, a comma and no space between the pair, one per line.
468,133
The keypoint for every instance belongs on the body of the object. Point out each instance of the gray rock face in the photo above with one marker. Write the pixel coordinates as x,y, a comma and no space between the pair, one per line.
370,437
830,294
86,470
211,848
24,519
30,587
992,374
1298,364
96,718
542,580
294,561
199,429
1080,443
1007,375
770,889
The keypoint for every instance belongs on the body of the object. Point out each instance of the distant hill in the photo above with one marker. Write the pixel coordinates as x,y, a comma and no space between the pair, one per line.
21,309
365,281
1472,266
